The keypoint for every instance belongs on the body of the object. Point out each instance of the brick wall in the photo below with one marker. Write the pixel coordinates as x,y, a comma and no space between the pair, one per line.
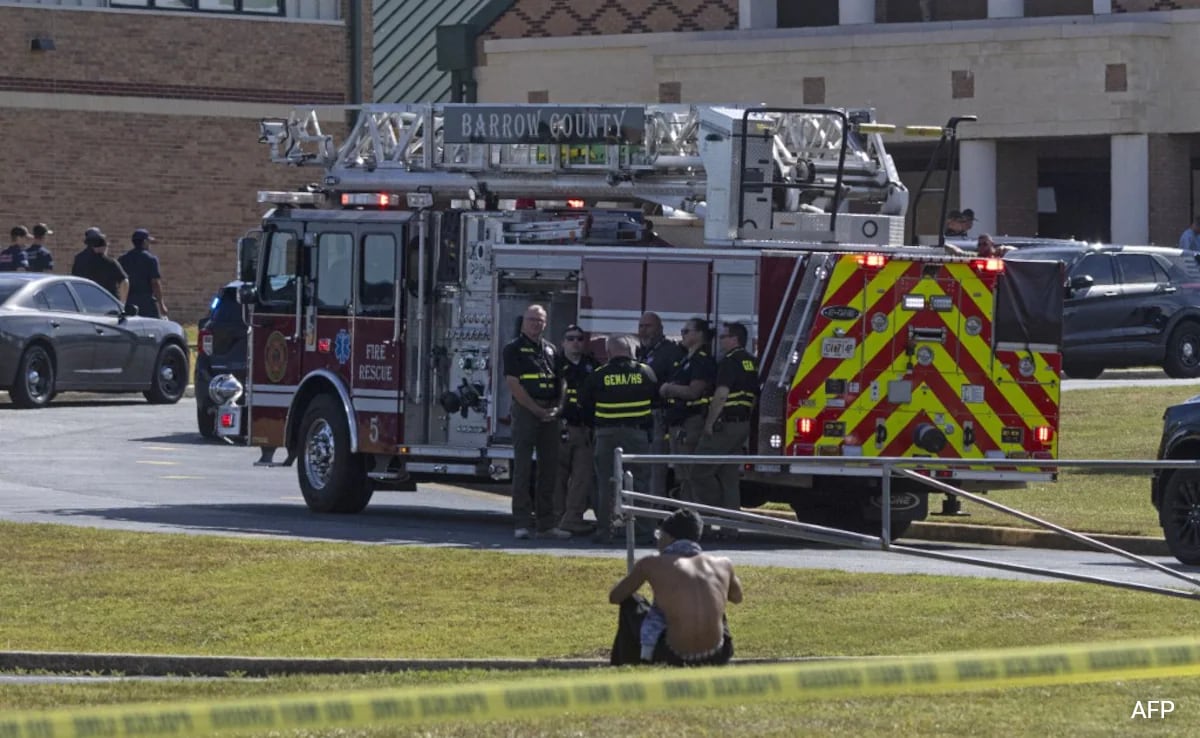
103,139
1170,187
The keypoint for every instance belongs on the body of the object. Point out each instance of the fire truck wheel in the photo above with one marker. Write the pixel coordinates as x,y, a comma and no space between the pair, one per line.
332,479
34,385
1083,371
170,376
1179,515
1183,351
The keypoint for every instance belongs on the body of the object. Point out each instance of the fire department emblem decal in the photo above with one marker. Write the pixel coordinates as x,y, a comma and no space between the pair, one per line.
275,356
341,346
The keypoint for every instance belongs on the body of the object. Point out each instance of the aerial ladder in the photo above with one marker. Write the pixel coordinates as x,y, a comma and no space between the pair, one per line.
755,174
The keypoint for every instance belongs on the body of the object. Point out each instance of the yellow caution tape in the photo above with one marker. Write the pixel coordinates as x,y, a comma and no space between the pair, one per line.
624,691
875,127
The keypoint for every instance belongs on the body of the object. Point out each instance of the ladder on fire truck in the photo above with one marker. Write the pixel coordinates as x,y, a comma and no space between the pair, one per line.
706,160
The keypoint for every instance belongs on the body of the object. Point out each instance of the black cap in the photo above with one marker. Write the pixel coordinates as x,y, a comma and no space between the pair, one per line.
41,229
92,234
574,327
953,215
19,232
969,214
142,235
683,525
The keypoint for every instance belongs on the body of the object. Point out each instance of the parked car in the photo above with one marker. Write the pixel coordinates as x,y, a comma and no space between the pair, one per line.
221,350
1127,306
1175,493
60,333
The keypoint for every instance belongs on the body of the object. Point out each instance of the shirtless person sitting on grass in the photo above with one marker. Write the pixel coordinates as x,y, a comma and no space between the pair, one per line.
686,625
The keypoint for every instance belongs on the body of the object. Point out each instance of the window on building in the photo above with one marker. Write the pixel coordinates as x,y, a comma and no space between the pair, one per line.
916,11
254,7
791,14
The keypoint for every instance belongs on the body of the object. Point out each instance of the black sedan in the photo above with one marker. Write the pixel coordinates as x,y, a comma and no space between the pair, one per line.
60,333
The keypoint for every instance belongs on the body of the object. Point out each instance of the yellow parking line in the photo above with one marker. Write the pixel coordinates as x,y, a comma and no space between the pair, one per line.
157,463
158,448
179,476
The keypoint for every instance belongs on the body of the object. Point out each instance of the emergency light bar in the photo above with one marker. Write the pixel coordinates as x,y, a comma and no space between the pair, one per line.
988,265
289,198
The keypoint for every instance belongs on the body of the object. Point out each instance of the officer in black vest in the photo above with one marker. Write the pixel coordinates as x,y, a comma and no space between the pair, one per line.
95,264
687,395
618,397
662,354
530,372
727,424
576,483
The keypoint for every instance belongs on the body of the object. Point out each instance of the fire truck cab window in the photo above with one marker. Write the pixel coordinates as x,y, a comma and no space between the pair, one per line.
377,280
334,256
277,293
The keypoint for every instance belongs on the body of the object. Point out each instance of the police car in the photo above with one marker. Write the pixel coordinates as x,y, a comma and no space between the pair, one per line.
221,349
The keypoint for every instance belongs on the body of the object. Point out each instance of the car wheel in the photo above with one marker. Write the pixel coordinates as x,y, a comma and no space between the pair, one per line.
206,420
1179,515
170,376
1083,371
34,383
1183,351
332,479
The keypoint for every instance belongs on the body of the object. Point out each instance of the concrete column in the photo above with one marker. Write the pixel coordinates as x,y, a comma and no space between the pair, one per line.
856,11
1130,189
1006,8
977,183
757,14
1101,7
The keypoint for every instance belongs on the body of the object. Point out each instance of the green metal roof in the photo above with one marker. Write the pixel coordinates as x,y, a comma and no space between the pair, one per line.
405,53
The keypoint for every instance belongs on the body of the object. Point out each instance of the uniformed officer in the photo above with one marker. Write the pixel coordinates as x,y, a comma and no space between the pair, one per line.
576,473
618,398
727,424
95,264
661,353
40,258
537,396
687,394
12,259
145,280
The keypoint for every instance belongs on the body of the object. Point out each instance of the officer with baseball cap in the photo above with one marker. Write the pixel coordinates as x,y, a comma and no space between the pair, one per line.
145,280
12,259
40,258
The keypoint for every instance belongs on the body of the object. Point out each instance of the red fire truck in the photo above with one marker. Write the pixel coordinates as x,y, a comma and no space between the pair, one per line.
381,296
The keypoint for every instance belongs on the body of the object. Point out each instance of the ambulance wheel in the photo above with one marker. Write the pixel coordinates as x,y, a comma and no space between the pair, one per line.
34,383
1083,371
332,479
1179,515
169,379
1183,351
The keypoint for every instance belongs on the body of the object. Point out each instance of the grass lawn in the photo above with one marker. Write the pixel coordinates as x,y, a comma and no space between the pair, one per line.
1095,424
70,588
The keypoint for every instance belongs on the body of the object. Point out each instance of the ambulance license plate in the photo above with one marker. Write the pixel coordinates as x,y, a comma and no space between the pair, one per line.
837,348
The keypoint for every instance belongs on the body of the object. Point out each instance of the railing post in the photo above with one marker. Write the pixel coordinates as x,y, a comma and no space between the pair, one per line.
885,505
630,537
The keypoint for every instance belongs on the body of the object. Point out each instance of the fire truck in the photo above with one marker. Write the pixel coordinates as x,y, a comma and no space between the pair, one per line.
380,296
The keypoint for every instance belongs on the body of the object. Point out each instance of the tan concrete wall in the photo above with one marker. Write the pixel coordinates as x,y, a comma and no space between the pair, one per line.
1041,80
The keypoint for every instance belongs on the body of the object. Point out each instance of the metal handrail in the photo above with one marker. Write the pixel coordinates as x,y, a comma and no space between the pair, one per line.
906,467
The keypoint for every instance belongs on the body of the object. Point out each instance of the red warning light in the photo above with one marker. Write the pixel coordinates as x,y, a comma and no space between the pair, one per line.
574,202
872,261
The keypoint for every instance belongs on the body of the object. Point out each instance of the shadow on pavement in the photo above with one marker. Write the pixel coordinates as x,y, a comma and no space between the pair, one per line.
192,438
396,524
